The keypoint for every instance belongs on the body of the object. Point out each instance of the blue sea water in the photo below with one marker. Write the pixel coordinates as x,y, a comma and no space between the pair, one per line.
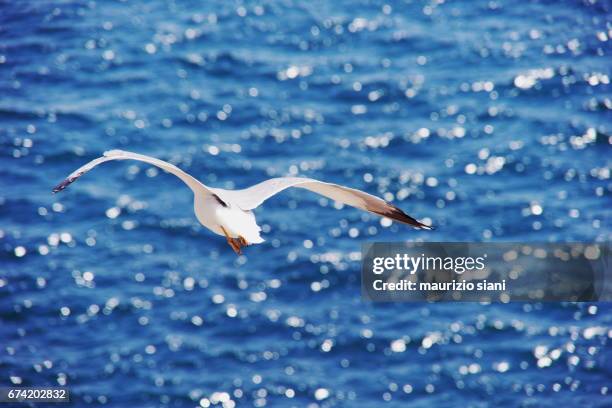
489,119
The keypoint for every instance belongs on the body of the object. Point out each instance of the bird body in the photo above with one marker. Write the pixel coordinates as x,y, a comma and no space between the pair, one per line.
217,215
229,212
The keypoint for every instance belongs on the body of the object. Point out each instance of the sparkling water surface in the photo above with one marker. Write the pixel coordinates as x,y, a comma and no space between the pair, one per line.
489,119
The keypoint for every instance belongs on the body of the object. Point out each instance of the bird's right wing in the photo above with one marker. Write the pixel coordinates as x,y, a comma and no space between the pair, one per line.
252,197
192,182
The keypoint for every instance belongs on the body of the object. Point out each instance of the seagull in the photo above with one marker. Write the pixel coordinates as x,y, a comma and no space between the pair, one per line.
229,212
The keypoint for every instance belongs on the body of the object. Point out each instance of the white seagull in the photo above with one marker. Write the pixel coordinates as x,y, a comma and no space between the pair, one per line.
228,212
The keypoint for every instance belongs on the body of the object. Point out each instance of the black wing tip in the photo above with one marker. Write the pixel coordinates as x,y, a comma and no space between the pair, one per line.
397,214
420,226
426,227
67,181
61,186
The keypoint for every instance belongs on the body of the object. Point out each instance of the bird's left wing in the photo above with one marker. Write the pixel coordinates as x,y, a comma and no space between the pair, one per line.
252,197
191,181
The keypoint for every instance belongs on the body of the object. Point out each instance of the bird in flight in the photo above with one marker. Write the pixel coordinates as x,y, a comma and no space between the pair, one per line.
229,212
